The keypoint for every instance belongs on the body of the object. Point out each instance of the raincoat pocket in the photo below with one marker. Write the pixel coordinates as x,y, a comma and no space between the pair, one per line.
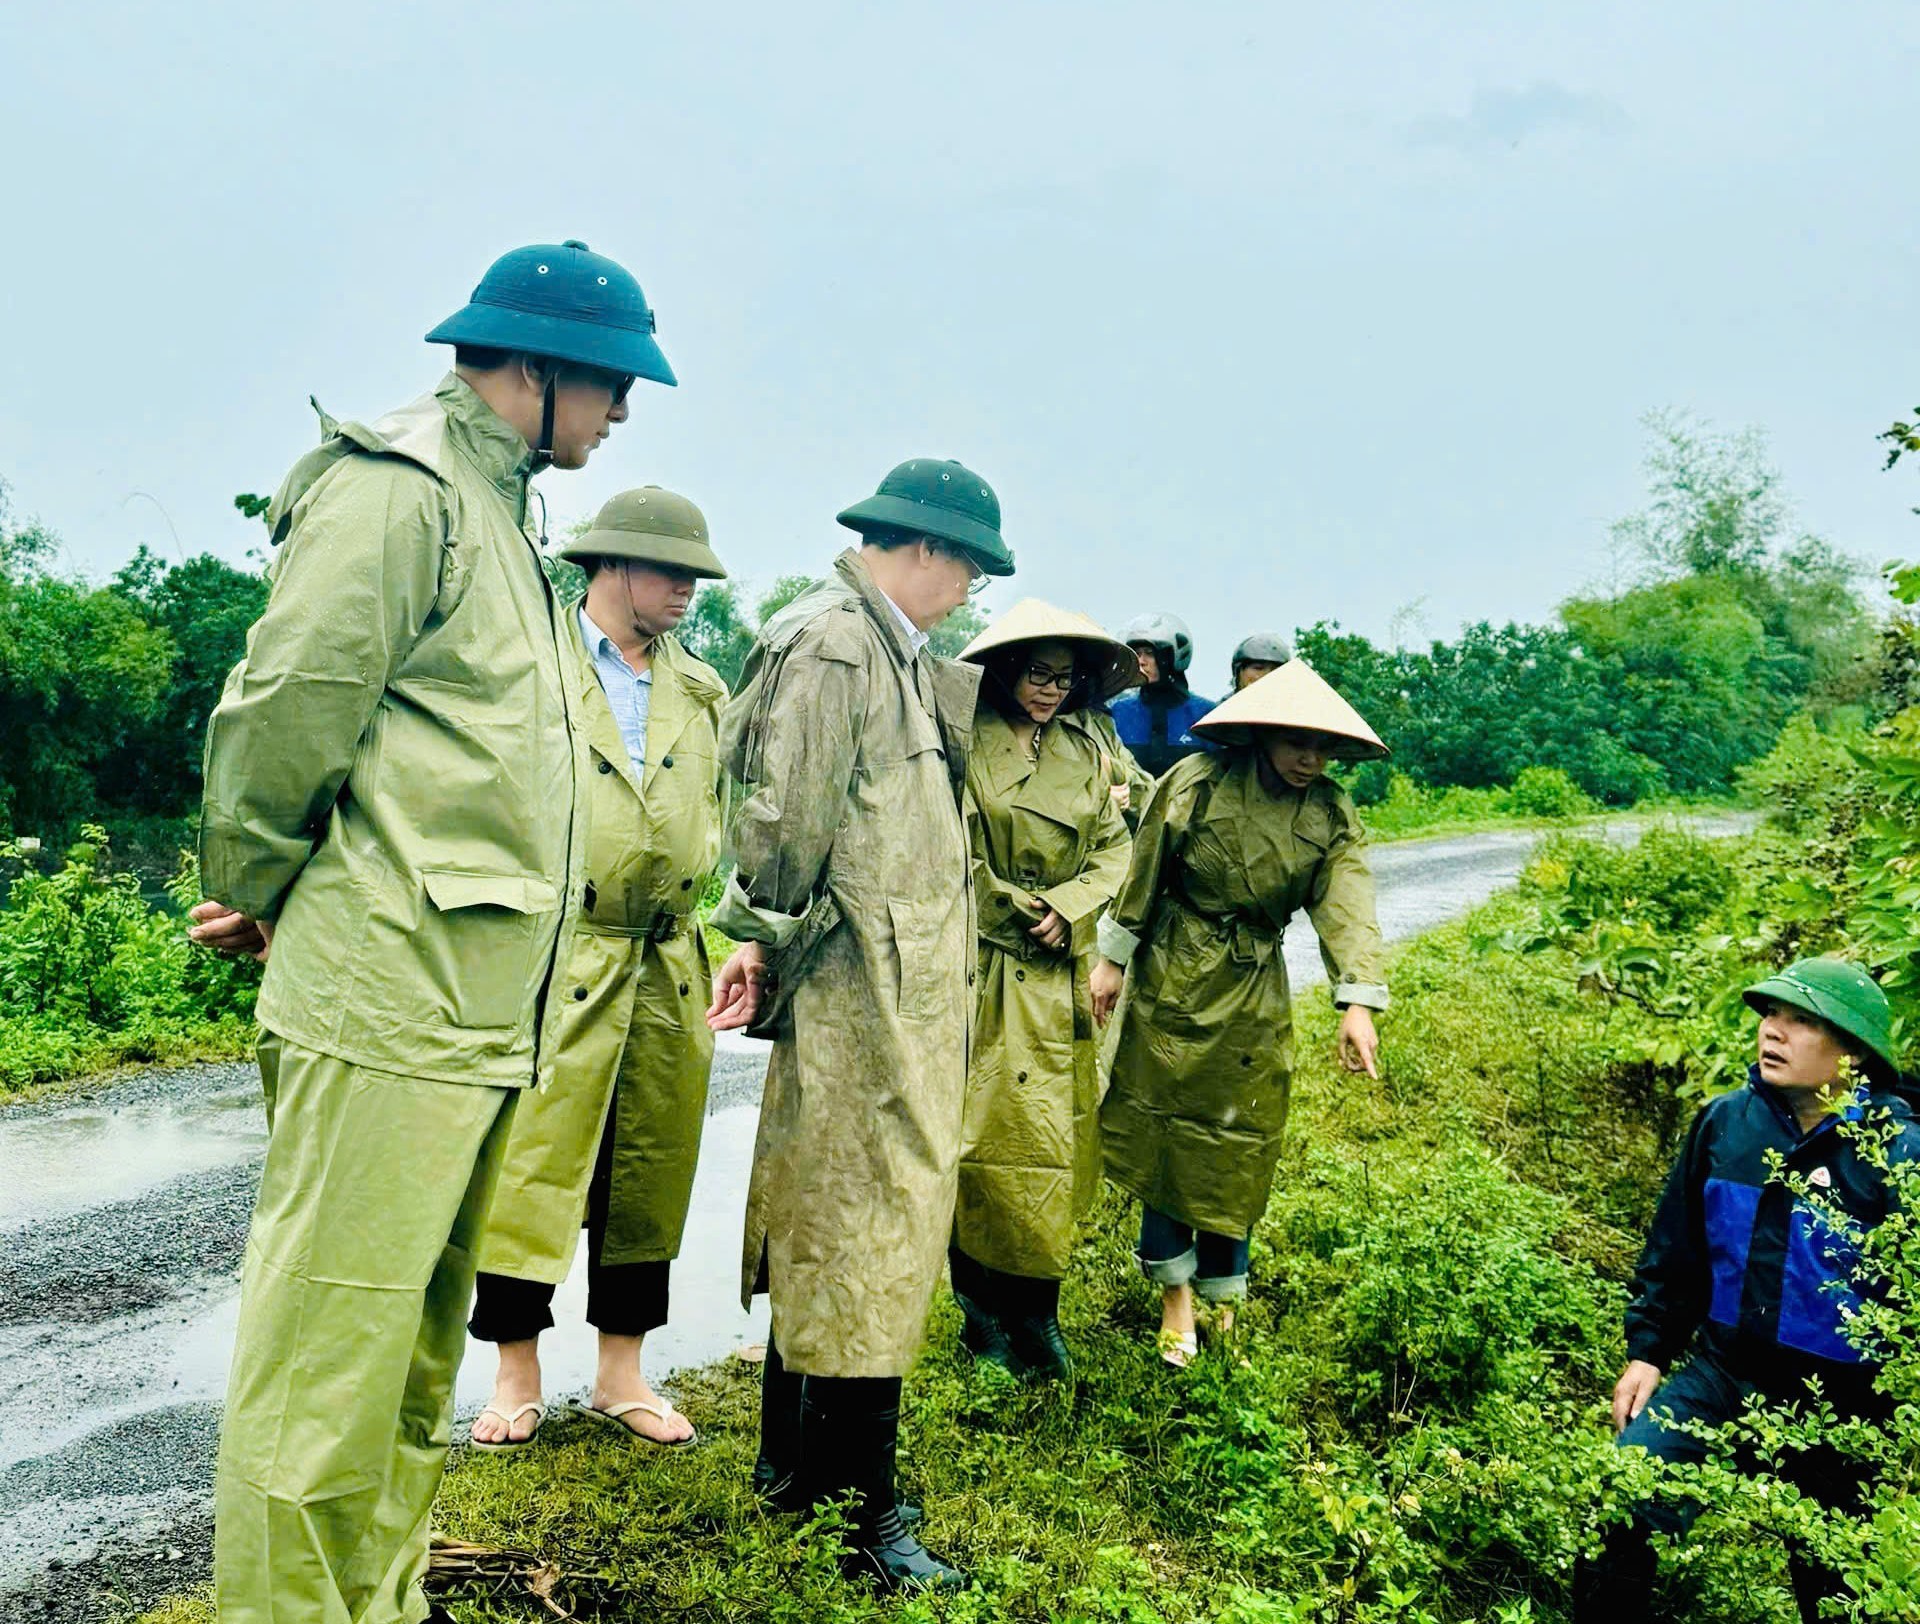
477,941
926,978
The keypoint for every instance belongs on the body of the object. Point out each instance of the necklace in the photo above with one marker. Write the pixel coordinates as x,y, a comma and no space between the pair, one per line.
1032,745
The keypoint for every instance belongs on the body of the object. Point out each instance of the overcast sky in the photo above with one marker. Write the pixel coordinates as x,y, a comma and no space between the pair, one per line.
1258,313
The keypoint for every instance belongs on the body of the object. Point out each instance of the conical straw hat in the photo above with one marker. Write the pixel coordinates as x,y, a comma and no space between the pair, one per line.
1294,696
1030,621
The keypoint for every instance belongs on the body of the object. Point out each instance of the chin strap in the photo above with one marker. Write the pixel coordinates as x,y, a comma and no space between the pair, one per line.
543,452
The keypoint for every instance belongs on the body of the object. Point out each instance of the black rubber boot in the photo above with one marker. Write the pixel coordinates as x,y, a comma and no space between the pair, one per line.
776,1476
1031,1316
850,1431
981,1333
777,1467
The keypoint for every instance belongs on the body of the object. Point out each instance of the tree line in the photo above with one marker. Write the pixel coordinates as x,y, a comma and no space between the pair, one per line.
1726,622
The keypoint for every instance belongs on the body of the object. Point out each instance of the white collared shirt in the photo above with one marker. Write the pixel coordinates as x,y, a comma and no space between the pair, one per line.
916,638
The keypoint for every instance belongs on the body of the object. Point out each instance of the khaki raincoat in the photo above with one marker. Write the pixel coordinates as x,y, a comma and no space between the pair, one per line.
633,997
1192,1120
851,863
396,740
1030,1152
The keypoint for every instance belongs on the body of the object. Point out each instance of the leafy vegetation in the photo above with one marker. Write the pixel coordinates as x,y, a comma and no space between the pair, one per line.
91,976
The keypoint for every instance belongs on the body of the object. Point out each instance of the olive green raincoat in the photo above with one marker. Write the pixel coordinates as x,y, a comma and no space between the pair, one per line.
1192,1119
389,777
633,997
1030,1151
851,863
1120,766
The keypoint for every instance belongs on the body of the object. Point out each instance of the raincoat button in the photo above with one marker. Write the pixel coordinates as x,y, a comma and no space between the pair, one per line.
1019,975
606,766
686,885
1246,1060
666,761
683,989
579,994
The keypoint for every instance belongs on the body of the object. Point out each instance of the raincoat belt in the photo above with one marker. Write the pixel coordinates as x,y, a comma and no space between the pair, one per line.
1249,941
662,927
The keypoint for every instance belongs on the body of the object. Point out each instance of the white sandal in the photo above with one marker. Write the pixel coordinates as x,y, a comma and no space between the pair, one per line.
663,1412
510,1442
1179,1348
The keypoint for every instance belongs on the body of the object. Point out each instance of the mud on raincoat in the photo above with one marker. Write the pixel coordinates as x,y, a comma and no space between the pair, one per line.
390,778
1030,1152
851,863
634,993
1198,1098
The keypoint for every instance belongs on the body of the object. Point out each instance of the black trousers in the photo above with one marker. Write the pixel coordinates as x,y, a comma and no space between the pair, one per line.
623,1299
993,1291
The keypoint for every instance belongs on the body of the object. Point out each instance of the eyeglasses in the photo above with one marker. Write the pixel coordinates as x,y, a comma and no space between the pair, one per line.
977,578
1044,676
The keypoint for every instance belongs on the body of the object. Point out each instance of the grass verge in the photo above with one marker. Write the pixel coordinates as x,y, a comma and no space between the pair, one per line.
1407,1424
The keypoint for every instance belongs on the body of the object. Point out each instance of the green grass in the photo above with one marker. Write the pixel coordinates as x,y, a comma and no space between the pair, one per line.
1406,1426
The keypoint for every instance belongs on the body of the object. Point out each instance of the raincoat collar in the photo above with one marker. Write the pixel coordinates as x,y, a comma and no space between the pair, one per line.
486,439
852,569
1776,1101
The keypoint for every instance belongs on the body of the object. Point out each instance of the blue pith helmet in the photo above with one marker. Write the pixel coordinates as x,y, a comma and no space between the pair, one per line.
563,301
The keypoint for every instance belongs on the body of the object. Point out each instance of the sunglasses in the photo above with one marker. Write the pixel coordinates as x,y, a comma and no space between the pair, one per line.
617,384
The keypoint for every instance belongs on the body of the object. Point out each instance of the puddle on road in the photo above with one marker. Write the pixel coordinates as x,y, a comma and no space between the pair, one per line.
67,1161
188,1360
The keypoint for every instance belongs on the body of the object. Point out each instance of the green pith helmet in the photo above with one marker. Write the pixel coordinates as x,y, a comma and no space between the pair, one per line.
946,500
650,526
564,301
1841,994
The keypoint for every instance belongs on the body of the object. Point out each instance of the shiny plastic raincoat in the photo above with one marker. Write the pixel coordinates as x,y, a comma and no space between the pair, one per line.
851,864
1030,1152
1192,1120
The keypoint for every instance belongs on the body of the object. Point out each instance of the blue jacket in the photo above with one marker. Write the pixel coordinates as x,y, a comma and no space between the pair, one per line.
1739,1261
1155,724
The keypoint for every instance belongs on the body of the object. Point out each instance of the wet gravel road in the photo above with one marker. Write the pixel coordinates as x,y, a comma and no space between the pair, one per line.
123,1211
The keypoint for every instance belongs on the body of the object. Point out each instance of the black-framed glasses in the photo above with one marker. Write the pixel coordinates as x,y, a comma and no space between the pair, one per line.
1044,676
977,578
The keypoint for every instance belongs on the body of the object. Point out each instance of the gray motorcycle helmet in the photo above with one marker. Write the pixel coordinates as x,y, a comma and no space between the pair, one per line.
1260,648
1163,631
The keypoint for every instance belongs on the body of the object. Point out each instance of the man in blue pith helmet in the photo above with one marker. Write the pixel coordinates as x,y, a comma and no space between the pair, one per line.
390,822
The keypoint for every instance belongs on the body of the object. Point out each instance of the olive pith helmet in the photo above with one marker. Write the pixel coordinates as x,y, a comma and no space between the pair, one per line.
933,496
1295,696
563,301
1162,631
650,526
1261,648
1841,994
1110,661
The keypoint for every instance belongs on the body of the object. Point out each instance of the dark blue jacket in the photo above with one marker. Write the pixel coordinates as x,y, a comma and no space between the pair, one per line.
1736,1259
1155,724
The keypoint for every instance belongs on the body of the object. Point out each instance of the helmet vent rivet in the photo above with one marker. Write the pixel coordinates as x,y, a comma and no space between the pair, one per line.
542,269
603,281
945,477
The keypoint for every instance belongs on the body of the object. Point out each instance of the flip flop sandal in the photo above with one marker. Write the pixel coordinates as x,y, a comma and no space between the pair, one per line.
503,1444
612,1416
1179,1349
